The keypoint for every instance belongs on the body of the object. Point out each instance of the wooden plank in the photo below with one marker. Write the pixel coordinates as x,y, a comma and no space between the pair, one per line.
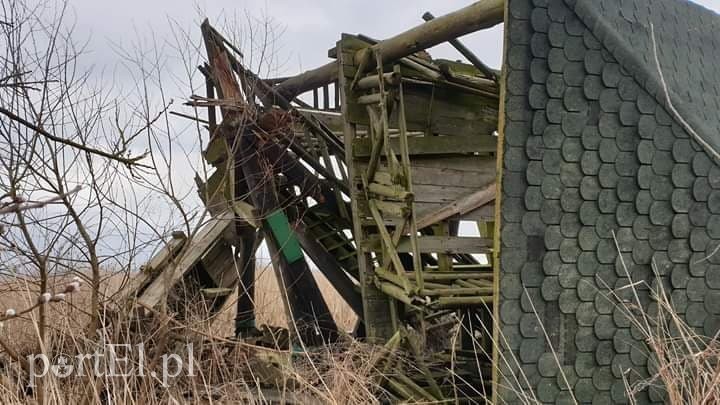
216,151
246,212
462,163
496,330
461,206
219,262
166,253
434,145
484,213
439,108
452,173
198,245
444,109
439,194
155,265
438,244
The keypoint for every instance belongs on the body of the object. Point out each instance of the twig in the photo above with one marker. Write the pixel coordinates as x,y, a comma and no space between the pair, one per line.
24,206
671,107
127,161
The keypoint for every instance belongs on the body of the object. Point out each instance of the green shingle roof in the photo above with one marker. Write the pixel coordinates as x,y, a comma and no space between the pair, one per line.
687,41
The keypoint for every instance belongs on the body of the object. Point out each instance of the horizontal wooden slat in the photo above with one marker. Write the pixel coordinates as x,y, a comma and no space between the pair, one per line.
439,244
434,145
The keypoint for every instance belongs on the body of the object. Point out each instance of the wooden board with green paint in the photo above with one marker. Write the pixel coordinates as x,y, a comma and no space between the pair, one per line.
287,241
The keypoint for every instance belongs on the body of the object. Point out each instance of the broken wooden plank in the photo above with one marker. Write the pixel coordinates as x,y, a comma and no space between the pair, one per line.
198,245
156,264
459,207
166,253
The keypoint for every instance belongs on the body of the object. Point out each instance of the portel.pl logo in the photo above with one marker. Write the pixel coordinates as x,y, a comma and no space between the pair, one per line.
113,360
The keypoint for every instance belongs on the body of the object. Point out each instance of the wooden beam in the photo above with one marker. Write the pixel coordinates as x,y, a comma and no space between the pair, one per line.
468,54
246,244
301,294
333,271
219,66
480,15
434,145
331,119
438,244
155,265
477,16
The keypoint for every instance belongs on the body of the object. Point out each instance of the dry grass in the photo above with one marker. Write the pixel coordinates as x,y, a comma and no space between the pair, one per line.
269,307
226,370
685,365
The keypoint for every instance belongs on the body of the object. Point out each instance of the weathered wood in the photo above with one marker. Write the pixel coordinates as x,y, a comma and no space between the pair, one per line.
455,275
376,305
394,192
199,244
247,243
459,207
434,292
166,253
468,54
301,293
246,212
219,65
219,263
330,119
434,145
436,244
388,247
156,265
455,302
216,293
333,271
373,82
480,15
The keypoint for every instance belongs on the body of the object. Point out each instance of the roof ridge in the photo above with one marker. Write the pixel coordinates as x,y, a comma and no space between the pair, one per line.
648,77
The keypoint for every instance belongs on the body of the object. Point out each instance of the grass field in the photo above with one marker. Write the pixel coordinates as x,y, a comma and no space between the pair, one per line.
230,371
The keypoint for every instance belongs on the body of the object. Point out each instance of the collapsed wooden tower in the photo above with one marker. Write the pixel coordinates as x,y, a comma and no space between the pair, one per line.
371,180
370,187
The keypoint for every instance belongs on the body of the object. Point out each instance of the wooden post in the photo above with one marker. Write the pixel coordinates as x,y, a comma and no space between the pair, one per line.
305,302
247,245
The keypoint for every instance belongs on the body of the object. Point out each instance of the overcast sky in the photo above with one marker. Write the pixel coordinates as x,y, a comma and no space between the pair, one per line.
310,26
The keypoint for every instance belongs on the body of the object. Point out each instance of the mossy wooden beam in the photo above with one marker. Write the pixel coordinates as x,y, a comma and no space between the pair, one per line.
479,15
376,305
467,53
